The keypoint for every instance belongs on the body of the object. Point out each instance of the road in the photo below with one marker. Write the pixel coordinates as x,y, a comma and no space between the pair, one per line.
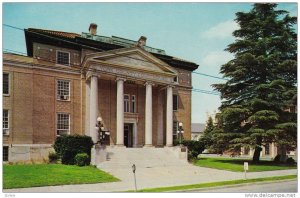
277,187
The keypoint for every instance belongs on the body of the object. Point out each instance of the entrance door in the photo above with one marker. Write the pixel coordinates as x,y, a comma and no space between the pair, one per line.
128,135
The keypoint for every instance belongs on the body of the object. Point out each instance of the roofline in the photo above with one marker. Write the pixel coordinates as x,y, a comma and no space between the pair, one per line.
81,43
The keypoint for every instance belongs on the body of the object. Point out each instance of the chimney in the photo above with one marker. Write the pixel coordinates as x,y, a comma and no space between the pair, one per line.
93,29
142,41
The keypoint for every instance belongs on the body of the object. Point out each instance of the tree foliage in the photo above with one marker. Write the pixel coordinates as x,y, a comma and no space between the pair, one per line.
262,80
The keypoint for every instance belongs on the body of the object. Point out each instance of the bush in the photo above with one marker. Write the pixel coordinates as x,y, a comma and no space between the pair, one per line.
53,157
277,159
194,148
82,159
68,146
290,161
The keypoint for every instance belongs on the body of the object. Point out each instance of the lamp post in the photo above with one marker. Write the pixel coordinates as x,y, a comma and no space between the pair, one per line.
180,132
101,131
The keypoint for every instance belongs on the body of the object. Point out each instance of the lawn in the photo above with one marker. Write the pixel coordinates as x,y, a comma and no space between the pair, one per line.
216,184
237,165
23,176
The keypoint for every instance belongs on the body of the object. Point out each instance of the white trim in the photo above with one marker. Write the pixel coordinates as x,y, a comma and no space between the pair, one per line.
134,130
6,94
6,129
69,96
133,101
128,103
62,51
68,130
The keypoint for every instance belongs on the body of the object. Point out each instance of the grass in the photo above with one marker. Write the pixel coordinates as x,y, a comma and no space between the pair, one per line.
216,184
24,176
237,165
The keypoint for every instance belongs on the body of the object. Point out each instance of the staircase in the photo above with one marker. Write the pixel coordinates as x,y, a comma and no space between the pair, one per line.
149,157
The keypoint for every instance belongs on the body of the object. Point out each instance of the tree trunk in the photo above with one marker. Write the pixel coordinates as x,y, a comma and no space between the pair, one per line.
256,154
283,155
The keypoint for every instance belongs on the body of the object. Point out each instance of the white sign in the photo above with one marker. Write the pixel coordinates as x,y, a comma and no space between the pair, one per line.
246,166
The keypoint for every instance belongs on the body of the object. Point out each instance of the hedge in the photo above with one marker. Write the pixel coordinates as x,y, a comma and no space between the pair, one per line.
68,146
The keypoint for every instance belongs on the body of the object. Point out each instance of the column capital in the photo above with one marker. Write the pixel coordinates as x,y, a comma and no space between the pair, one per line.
119,78
170,86
90,74
149,83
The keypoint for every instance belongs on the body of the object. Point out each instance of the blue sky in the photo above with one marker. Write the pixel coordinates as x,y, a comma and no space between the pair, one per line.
198,32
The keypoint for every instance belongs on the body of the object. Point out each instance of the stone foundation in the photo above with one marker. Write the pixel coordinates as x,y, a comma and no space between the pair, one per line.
27,153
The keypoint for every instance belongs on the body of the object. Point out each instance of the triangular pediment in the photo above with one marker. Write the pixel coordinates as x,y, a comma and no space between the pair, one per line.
131,58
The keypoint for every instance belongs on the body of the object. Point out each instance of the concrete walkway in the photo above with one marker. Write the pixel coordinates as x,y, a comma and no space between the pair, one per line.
159,176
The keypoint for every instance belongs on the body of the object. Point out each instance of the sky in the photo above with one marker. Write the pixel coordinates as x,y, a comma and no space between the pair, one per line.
198,32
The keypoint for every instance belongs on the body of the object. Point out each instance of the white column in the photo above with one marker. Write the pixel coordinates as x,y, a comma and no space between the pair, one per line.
148,114
120,111
93,107
169,115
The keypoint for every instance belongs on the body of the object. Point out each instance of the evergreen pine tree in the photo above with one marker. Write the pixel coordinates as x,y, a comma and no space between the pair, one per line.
262,80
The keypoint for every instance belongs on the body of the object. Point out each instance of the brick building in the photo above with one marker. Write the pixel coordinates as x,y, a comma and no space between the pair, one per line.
68,80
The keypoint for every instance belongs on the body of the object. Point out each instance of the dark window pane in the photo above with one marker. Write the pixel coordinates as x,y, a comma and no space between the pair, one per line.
5,84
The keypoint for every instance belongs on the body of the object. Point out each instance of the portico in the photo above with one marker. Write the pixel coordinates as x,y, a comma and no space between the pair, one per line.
135,71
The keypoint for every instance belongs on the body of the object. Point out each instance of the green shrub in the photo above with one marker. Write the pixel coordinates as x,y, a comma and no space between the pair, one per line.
53,157
82,159
290,161
68,146
194,147
277,159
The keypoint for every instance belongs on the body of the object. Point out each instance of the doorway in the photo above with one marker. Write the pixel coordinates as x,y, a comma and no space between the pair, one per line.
128,134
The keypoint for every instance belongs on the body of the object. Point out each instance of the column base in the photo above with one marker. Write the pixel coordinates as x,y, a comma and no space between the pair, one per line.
147,146
120,145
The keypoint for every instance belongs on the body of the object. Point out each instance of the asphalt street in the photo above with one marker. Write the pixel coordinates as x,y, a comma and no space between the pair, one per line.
276,187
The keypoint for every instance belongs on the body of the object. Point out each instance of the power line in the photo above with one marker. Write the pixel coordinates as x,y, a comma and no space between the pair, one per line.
78,67
10,26
199,73
208,75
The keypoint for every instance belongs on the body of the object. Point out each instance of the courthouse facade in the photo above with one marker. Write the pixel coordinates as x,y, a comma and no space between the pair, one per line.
67,80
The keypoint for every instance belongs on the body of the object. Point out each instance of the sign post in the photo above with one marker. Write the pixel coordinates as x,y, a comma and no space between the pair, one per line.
246,167
133,170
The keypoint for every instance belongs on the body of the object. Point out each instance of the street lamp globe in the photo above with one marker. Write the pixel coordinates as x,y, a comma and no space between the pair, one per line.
180,124
99,119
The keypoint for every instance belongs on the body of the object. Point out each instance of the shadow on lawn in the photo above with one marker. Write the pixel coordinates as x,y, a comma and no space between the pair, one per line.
241,162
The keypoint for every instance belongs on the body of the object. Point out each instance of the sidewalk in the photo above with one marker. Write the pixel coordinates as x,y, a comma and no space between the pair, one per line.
152,177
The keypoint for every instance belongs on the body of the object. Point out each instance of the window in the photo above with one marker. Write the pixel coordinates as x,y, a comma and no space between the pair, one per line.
175,129
133,106
5,153
5,83
63,90
175,102
63,58
126,103
63,123
5,124
267,149
246,150
175,79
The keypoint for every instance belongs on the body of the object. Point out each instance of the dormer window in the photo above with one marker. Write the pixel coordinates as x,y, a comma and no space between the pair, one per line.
63,58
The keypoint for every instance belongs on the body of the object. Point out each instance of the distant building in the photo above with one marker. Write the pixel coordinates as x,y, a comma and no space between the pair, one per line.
197,130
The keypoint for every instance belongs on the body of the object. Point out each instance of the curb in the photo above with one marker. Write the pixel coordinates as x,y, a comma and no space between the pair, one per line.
230,186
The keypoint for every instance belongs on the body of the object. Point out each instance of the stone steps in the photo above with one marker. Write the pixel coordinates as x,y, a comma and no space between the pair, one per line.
124,158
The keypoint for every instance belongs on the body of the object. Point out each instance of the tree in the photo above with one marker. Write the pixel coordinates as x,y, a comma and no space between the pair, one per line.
208,133
262,80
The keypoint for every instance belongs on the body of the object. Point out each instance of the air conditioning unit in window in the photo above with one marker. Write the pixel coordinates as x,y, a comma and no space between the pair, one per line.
5,131
64,97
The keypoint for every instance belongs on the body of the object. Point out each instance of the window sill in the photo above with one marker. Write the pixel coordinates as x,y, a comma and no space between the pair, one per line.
6,95
63,100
